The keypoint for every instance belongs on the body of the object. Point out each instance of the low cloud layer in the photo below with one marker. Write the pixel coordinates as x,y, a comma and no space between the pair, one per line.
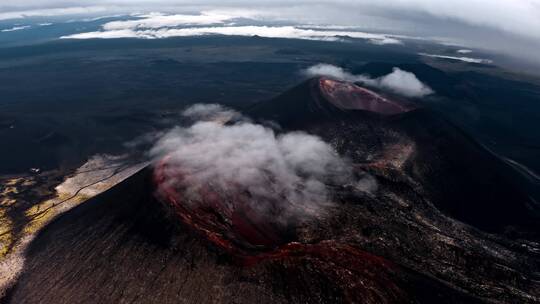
155,26
511,27
519,17
291,170
460,58
18,13
15,28
156,21
399,81
288,32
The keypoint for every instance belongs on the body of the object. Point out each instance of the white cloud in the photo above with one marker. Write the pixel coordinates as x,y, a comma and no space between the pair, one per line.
285,173
106,35
520,17
332,71
50,12
212,112
156,20
464,59
464,51
404,83
91,19
16,28
399,81
164,26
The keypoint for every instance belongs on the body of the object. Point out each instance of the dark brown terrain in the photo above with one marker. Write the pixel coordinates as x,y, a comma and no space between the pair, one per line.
438,221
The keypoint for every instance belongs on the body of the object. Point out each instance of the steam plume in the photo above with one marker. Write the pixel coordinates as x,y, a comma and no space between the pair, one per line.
399,81
292,169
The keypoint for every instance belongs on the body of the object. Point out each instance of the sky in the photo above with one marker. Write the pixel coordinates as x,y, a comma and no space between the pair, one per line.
507,26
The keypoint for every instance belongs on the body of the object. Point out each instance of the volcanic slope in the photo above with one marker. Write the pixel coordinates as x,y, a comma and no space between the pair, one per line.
434,219
460,176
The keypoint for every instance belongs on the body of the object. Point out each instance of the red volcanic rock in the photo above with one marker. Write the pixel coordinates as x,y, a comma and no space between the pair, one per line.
224,216
348,96
360,276
255,239
323,99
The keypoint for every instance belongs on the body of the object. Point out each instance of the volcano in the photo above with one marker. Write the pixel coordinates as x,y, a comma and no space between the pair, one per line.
384,134
324,98
434,218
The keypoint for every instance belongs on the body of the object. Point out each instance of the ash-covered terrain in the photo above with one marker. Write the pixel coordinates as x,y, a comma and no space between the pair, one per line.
331,192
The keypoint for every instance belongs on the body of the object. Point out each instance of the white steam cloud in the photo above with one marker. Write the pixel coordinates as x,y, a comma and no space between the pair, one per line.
211,112
399,81
292,169
50,12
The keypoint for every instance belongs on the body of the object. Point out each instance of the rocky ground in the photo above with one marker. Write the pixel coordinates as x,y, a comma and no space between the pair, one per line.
429,217
31,201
